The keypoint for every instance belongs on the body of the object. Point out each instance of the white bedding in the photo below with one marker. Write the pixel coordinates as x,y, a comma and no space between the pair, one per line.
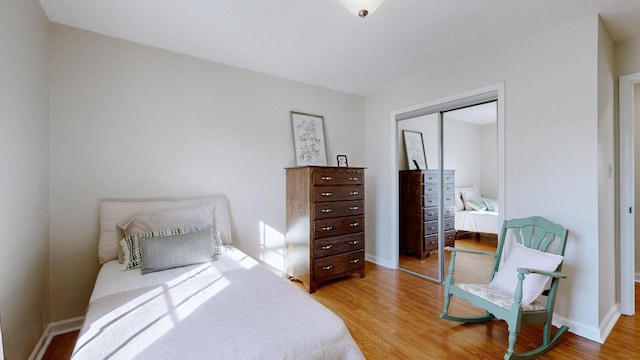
477,221
231,308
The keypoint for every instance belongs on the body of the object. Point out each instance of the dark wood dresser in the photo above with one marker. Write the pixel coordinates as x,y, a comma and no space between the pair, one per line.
325,223
418,210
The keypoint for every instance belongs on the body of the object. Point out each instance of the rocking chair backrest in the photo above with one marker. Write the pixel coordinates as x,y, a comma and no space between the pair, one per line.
535,233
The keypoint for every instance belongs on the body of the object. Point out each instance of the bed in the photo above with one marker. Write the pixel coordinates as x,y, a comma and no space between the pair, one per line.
475,213
228,308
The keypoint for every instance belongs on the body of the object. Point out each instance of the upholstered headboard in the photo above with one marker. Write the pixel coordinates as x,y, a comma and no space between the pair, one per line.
114,211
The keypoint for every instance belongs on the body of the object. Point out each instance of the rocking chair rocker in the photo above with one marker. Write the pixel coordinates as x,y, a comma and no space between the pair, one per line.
510,296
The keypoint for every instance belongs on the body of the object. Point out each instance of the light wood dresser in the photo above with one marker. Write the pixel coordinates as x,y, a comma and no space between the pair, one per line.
325,223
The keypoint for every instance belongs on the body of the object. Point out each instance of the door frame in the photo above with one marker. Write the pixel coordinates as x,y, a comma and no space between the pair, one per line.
433,107
627,193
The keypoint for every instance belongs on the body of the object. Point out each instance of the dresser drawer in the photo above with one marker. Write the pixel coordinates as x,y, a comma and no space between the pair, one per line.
338,193
431,241
432,200
431,213
338,265
434,189
338,178
432,176
326,210
431,227
338,226
449,224
337,244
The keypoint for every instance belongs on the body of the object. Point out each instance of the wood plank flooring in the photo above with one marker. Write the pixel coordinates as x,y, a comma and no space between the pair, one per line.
394,315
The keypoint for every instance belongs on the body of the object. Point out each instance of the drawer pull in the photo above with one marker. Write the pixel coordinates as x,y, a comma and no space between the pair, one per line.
326,194
431,228
431,214
354,261
327,247
354,242
354,224
354,208
353,193
327,267
327,178
354,178
327,228
326,211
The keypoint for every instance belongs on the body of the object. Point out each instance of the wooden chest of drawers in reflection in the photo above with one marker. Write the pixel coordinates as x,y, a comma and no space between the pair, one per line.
418,211
325,223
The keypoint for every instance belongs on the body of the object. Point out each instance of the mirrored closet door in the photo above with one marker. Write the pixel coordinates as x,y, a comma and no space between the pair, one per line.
438,186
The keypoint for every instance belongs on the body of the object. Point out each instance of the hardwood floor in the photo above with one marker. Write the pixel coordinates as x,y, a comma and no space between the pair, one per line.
475,269
61,346
394,315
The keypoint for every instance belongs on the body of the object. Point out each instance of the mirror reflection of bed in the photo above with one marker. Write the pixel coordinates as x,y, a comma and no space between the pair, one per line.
469,148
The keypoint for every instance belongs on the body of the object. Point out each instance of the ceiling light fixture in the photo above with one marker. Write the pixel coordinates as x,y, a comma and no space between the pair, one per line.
361,8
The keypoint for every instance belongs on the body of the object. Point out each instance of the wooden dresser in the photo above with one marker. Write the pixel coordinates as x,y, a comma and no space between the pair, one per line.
418,211
325,223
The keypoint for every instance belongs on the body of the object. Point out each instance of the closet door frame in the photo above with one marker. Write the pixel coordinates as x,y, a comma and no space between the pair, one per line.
469,98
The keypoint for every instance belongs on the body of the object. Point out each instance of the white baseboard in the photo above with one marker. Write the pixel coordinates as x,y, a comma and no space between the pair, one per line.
637,277
597,334
378,261
53,329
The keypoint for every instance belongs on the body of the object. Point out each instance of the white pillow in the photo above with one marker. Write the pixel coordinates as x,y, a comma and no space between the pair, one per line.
194,217
468,196
113,212
459,205
506,279
199,217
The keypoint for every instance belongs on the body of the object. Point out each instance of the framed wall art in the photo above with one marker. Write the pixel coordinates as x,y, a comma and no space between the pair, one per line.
414,147
308,139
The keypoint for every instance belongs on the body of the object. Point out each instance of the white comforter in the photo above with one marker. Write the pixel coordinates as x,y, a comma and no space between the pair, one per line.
231,308
478,221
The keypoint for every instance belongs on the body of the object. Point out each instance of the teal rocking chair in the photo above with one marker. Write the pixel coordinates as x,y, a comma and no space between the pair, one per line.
536,252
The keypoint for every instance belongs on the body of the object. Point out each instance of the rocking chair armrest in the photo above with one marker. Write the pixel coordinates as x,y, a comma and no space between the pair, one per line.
468,251
555,274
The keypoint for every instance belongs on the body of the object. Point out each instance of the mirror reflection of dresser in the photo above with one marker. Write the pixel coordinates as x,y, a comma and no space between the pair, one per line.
418,211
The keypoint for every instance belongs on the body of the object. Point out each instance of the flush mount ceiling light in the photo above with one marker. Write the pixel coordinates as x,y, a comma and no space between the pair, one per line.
361,8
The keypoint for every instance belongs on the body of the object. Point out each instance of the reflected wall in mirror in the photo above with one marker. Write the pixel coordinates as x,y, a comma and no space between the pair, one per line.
469,159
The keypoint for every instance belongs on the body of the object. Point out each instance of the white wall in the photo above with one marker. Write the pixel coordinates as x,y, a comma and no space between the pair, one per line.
551,141
24,175
133,121
489,160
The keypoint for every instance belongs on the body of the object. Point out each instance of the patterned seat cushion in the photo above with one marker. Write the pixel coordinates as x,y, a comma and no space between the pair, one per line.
498,297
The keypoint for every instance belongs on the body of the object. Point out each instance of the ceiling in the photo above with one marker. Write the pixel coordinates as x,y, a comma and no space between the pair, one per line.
319,42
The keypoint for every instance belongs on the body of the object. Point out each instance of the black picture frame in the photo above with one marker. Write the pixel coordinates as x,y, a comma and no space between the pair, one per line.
342,161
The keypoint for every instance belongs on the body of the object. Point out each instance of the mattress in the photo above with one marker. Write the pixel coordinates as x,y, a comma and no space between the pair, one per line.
231,308
477,221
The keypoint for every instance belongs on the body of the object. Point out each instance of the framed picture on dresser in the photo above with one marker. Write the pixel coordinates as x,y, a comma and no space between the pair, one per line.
342,161
308,139
414,147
